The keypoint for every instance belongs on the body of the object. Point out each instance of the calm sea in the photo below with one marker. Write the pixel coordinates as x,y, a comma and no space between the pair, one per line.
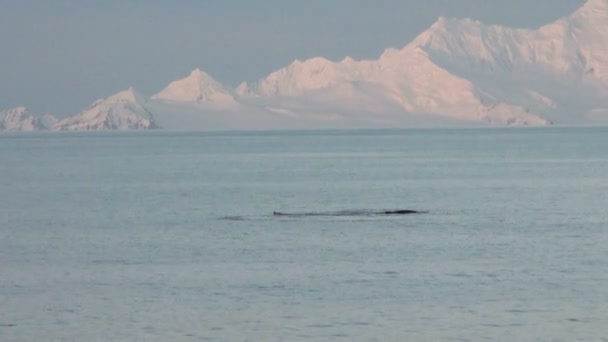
166,236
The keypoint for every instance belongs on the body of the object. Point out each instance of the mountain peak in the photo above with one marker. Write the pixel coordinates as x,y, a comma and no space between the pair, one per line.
128,95
572,45
197,87
198,74
311,74
17,110
594,5
20,119
119,111
592,10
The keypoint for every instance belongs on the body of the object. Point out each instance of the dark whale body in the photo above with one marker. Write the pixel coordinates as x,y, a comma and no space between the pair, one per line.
401,212
350,213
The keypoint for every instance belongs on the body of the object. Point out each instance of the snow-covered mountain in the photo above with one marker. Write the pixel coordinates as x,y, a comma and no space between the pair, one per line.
573,45
20,119
121,111
197,102
457,71
401,83
198,87
559,71
464,70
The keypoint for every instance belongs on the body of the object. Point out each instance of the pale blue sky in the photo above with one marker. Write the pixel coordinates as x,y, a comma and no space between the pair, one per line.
58,56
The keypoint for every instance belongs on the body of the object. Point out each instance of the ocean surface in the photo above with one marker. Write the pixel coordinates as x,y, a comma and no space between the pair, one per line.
168,236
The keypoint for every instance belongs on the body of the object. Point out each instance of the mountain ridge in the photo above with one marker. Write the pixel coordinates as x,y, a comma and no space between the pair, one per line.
458,70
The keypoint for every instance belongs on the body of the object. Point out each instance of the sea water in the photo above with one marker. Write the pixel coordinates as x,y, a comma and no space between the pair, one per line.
169,236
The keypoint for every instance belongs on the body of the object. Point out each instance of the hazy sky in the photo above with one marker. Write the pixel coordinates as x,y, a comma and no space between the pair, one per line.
58,56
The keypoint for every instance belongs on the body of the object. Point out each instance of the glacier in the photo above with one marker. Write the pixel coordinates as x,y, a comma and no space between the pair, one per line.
457,72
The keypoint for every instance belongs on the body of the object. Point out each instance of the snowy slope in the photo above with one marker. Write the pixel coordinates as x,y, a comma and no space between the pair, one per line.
20,119
121,111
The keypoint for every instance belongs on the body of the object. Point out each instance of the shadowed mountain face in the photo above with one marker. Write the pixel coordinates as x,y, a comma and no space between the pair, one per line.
363,212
